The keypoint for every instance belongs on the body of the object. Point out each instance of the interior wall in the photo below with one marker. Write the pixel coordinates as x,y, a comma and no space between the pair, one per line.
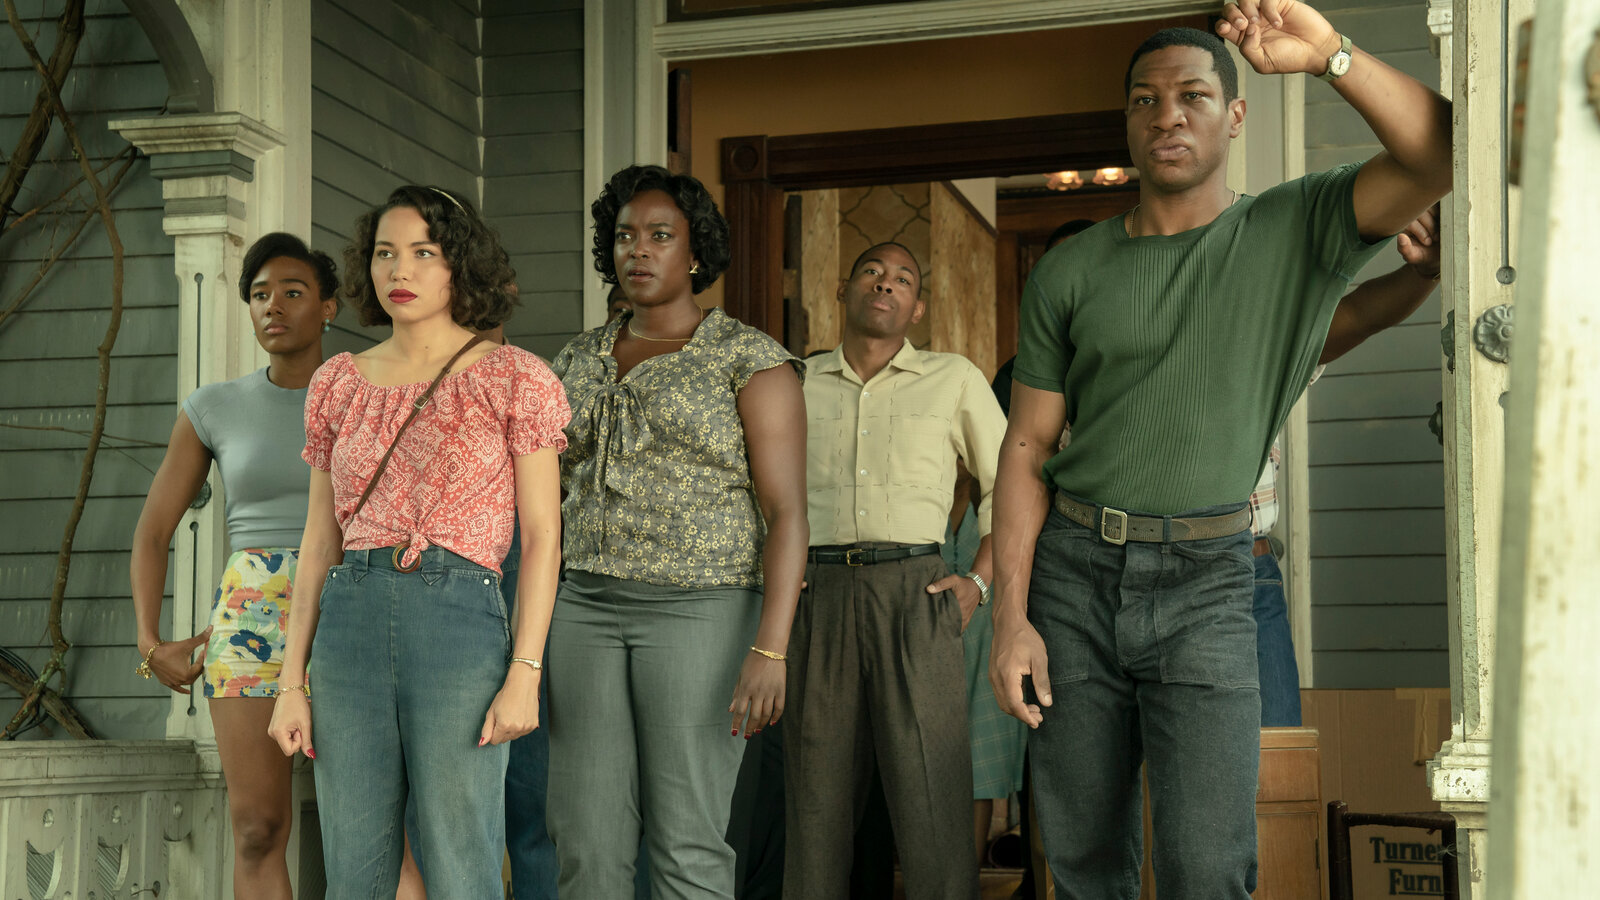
917,83
961,283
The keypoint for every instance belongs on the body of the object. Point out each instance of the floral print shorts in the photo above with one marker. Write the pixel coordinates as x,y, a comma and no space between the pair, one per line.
248,619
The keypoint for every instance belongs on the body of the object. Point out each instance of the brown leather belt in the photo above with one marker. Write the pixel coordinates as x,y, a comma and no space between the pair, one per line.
1263,547
1117,527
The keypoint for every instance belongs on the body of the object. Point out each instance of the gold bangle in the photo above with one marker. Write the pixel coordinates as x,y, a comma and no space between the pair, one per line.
143,669
768,653
302,688
533,664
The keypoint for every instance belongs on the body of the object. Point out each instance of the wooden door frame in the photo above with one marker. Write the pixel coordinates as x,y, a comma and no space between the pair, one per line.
758,169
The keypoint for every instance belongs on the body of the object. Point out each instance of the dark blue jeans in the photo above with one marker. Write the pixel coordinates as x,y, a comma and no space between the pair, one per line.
1278,673
403,669
533,855
1151,659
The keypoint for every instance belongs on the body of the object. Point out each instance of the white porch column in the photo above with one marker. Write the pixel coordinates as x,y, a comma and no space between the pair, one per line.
1475,55
1544,811
206,164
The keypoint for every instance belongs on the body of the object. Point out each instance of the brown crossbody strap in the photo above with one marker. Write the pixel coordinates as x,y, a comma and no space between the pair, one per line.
416,407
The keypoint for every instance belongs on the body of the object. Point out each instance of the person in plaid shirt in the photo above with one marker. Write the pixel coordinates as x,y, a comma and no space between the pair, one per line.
1373,306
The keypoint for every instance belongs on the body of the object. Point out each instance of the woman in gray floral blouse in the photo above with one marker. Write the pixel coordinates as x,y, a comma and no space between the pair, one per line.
685,540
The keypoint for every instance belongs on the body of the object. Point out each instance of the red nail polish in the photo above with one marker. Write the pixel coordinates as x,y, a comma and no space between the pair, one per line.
310,753
736,732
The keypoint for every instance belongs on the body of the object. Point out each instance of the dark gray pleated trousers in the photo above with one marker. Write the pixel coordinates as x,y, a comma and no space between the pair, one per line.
876,679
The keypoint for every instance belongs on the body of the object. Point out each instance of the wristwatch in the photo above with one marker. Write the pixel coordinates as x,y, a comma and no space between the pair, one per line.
984,591
1339,62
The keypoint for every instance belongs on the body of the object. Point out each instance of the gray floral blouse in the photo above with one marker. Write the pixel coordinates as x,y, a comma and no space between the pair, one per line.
657,479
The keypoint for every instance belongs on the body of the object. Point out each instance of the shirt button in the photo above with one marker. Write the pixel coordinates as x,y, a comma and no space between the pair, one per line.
486,581
863,471
861,512
866,393
863,432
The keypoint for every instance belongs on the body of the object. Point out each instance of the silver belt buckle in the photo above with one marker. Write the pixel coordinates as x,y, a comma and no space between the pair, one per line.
1113,525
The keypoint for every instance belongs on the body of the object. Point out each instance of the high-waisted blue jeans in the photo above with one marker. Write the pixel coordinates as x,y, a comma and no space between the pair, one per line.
1152,659
403,669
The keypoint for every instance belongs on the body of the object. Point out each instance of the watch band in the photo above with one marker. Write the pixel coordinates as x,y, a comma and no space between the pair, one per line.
1339,62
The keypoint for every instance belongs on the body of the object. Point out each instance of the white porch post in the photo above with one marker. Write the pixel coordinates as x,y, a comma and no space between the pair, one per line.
206,163
1544,813
1475,56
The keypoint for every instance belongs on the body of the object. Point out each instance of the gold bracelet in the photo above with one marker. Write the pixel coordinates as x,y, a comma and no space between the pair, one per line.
143,669
302,688
533,664
768,653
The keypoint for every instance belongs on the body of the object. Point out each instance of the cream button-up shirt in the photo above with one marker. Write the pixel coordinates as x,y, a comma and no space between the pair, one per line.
881,456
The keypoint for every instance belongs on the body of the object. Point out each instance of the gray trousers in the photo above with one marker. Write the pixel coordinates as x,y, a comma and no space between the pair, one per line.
876,679
639,680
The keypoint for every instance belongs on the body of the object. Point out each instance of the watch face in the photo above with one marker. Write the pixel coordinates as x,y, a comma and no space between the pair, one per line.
1339,64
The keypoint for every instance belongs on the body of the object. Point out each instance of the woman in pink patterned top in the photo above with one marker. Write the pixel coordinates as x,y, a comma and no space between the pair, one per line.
420,676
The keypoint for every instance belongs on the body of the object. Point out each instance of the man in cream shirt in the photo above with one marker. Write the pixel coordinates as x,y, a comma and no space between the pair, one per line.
876,676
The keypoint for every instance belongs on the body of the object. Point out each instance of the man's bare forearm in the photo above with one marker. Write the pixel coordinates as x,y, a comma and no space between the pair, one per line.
1021,503
1374,305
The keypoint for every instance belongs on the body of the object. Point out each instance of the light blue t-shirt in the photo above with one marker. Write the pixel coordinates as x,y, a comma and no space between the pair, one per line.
256,431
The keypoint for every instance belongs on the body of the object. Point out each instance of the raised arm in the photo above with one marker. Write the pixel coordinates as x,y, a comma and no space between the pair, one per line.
773,411
1021,503
1388,299
183,470
1411,120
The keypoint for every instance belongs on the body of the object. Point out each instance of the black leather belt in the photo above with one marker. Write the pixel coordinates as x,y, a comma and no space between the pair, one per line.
1117,527
867,556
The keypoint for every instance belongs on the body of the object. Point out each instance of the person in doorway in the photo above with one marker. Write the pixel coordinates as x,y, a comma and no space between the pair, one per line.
252,428
424,450
876,675
1373,306
1175,338
685,540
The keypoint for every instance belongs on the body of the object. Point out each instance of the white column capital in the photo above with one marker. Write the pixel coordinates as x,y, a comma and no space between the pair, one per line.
199,132
204,162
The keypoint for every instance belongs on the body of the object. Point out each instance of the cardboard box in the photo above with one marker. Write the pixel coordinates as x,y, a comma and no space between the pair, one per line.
1375,746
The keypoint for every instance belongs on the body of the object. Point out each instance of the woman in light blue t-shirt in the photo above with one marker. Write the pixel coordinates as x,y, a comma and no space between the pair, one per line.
253,428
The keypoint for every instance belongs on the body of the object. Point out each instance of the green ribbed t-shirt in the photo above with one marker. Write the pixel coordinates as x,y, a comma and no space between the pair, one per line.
1179,356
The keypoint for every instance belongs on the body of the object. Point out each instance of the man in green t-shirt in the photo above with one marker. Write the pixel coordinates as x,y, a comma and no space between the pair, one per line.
1175,338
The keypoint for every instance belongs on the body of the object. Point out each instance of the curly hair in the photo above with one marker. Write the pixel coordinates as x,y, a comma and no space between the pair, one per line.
708,230
282,245
481,278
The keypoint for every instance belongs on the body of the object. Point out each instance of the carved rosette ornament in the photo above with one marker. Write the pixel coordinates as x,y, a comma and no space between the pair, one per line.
1492,334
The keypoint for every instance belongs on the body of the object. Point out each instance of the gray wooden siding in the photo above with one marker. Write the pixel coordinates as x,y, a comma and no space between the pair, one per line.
1377,496
533,162
48,375
394,100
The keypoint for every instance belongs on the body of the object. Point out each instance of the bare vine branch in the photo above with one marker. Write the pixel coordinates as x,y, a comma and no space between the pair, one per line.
59,644
71,186
69,31
56,251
